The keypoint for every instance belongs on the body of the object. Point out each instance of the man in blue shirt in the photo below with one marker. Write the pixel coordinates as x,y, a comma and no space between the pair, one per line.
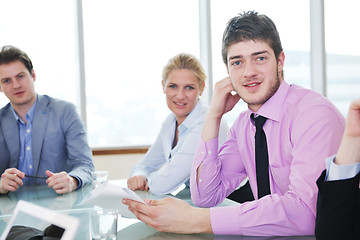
42,139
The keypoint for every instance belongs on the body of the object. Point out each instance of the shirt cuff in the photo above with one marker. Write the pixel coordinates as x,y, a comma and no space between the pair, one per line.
340,172
224,220
79,181
204,149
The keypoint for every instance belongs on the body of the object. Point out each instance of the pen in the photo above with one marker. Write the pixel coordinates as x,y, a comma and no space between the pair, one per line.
36,176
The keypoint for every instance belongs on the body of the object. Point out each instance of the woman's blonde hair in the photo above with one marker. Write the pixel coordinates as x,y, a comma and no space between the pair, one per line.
185,61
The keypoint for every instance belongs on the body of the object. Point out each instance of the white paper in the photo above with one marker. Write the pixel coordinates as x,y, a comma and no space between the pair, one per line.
110,196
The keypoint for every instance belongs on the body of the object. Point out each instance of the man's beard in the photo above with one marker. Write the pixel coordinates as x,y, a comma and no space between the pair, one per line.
269,94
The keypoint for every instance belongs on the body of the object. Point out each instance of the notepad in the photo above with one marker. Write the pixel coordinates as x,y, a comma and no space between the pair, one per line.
110,196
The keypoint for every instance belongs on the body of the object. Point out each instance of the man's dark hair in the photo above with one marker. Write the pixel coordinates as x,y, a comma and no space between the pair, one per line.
10,54
251,26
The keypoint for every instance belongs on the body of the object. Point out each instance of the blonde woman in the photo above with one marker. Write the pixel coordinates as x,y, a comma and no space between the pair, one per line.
167,163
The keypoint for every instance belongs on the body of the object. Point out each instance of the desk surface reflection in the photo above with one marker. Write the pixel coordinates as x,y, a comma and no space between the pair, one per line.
129,229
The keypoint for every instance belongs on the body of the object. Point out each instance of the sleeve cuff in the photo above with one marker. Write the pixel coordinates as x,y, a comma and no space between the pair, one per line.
203,149
340,172
223,221
79,181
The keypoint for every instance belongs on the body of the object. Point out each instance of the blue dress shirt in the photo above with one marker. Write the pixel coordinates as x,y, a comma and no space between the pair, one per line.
25,132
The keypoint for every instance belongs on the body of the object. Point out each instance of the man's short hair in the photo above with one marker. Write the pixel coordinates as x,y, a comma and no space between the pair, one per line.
251,26
10,54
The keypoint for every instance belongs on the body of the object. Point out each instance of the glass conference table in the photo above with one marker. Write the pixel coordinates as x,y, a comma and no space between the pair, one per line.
128,229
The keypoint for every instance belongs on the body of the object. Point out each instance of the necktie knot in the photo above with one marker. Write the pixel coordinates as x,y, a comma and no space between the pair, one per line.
259,121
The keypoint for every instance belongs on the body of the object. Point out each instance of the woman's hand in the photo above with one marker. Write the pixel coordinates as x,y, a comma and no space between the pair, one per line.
138,183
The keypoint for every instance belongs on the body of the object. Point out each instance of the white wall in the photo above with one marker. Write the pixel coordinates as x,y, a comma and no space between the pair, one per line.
119,166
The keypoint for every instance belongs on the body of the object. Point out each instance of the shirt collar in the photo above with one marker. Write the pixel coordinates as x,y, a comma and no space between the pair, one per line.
29,114
273,107
193,115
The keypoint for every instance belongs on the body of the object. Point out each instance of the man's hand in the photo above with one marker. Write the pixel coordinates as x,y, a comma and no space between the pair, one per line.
352,128
349,150
222,102
11,180
171,215
61,182
138,183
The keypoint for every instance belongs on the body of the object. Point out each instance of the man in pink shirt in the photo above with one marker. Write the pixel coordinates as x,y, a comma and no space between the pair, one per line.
302,128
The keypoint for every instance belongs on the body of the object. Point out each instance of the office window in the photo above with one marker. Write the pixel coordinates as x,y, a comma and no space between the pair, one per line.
41,29
127,43
292,19
342,52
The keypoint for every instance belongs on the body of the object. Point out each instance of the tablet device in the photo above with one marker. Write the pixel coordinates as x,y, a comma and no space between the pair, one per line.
28,216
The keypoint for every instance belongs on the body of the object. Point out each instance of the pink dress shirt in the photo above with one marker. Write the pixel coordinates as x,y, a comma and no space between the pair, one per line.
303,128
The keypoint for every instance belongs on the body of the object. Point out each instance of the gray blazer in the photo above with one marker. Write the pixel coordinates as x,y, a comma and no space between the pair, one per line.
59,141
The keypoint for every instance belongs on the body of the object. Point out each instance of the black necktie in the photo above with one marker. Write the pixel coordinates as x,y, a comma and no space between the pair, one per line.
261,157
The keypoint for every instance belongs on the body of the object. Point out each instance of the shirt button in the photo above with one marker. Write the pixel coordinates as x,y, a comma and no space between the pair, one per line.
28,148
30,166
200,180
209,152
202,153
28,130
